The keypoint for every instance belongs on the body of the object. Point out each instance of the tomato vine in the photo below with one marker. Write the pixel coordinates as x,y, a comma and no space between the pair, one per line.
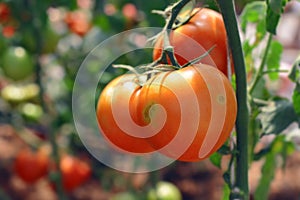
241,174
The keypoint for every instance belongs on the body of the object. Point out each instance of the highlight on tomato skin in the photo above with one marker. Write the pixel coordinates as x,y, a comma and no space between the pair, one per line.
204,30
114,94
201,111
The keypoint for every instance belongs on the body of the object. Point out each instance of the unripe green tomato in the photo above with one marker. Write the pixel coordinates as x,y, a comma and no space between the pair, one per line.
30,111
164,191
20,93
17,64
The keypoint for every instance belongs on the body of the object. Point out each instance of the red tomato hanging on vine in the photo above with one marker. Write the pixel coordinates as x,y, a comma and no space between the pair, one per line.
74,172
31,166
186,114
204,30
4,12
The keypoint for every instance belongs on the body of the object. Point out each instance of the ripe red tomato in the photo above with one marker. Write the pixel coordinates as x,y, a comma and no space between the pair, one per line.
8,31
78,22
198,115
4,12
17,63
192,39
74,172
119,92
130,11
31,166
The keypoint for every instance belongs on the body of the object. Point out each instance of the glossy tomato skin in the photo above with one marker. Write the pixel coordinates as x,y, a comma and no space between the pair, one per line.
74,172
199,111
117,93
31,166
192,39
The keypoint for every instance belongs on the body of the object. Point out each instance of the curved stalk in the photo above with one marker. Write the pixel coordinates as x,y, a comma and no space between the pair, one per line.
168,50
259,73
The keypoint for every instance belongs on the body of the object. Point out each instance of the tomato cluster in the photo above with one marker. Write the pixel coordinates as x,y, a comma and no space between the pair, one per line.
31,166
186,113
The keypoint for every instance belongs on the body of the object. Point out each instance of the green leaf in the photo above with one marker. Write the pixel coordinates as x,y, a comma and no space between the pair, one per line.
216,159
268,171
287,149
277,116
296,100
274,11
261,30
253,12
279,147
273,58
226,192
294,74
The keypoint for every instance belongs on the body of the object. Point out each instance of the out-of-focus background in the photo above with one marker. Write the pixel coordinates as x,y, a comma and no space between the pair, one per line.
42,45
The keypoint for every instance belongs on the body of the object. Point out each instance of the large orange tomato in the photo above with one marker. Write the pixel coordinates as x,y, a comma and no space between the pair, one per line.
115,108
204,30
186,114
31,166
197,107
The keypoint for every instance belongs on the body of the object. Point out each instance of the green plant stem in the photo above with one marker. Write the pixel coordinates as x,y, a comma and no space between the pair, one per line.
259,72
168,50
242,121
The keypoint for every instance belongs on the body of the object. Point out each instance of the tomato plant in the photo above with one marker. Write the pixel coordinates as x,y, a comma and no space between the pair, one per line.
17,63
164,191
203,31
31,166
74,172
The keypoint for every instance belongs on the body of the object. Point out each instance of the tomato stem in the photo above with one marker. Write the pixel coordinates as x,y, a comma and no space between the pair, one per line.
196,60
241,172
168,50
260,72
